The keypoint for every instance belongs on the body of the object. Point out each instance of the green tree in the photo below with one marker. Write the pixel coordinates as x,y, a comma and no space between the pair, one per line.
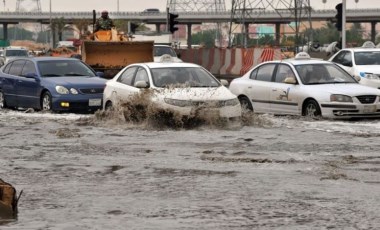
355,34
57,25
16,33
206,38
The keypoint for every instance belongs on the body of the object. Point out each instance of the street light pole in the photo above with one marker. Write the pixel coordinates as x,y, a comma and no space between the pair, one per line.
51,28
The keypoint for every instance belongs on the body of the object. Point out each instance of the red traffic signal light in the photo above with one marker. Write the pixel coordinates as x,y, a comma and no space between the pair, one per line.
173,22
339,16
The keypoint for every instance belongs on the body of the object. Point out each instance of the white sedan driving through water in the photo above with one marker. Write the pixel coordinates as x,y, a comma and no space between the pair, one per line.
185,88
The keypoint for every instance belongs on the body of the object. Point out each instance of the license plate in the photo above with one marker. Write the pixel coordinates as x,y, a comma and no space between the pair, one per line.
209,113
369,109
94,102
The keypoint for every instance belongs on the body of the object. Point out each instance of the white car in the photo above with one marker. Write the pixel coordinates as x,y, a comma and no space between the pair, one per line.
164,50
182,87
305,86
363,63
12,52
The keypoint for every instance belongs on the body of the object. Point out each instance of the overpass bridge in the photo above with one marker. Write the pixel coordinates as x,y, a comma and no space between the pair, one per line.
263,16
283,16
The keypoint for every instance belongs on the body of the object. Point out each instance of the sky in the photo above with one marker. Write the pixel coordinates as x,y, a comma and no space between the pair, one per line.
140,5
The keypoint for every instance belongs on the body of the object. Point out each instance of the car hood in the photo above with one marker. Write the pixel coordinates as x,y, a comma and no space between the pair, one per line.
76,81
368,69
349,89
195,94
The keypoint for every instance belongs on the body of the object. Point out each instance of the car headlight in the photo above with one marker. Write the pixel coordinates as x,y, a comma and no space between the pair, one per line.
340,98
230,102
63,90
369,76
180,103
73,91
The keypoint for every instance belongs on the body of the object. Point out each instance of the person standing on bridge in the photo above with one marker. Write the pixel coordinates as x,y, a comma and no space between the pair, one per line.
104,22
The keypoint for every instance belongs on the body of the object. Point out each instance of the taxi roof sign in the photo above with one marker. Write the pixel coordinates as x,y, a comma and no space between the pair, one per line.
166,58
368,44
302,56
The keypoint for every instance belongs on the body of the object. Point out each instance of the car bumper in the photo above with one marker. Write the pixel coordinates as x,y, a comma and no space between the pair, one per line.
77,102
223,112
350,110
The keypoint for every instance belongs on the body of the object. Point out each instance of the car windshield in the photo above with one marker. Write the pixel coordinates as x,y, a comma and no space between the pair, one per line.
367,58
183,76
313,74
56,68
161,50
16,53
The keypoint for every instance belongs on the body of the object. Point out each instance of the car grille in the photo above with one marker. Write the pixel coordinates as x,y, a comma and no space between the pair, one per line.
367,99
208,104
92,90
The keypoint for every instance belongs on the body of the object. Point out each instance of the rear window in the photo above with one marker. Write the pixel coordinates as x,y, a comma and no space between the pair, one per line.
16,53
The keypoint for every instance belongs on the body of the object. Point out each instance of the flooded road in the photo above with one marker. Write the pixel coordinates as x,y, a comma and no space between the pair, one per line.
279,173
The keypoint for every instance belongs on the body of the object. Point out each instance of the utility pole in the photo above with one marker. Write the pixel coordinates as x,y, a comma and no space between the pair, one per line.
343,24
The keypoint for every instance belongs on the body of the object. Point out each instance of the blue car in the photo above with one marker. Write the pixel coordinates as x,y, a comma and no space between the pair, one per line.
50,84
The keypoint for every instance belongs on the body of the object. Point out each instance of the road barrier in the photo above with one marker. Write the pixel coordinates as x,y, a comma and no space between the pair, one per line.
231,62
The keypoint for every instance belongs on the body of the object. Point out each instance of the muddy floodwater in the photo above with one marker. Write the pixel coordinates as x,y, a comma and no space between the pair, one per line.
78,172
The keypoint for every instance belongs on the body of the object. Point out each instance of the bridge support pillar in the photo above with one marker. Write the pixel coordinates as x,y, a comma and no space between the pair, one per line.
5,31
246,35
277,32
189,40
158,29
373,32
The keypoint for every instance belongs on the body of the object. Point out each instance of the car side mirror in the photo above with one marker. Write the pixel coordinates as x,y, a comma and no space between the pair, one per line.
357,78
99,74
141,84
290,80
224,82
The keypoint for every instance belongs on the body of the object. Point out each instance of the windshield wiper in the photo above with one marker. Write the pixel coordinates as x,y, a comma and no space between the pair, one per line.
74,74
51,75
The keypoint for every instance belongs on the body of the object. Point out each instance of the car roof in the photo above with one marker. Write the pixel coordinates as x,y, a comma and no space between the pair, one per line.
300,59
294,61
169,64
361,49
45,58
158,45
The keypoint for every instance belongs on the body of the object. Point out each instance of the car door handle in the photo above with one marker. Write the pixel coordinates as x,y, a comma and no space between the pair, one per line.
274,90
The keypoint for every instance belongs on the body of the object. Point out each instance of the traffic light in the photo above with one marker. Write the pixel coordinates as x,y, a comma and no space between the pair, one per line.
339,16
173,22
134,26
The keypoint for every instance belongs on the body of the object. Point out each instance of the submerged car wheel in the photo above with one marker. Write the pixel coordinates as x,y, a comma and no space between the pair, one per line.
108,105
46,102
245,103
2,100
312,109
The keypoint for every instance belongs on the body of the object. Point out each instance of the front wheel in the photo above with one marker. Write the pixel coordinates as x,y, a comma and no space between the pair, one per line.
2,100
245,104
108,105
312,109
46,102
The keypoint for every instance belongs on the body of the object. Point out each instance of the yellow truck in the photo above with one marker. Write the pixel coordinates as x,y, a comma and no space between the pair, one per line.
109,52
